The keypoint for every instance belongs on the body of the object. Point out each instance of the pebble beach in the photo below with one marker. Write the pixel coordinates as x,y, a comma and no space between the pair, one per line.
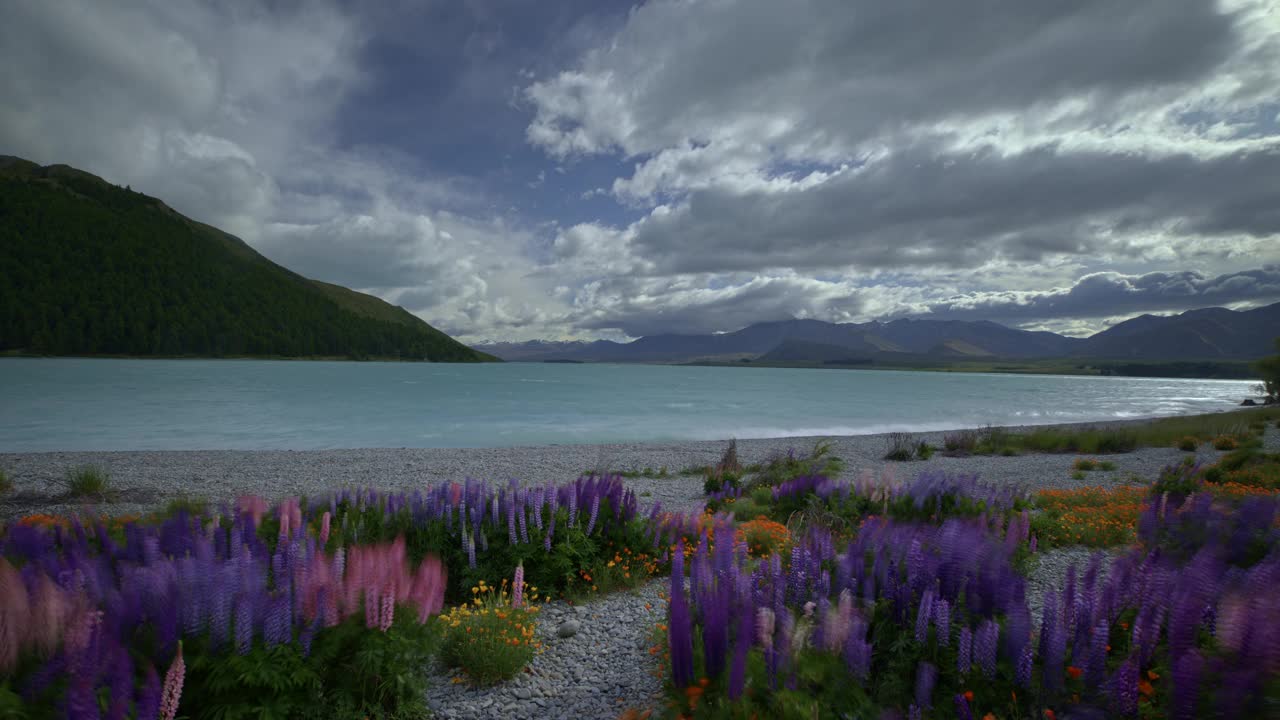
596,661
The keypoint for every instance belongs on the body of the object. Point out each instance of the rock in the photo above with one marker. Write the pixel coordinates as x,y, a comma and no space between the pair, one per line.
568,628
1249,402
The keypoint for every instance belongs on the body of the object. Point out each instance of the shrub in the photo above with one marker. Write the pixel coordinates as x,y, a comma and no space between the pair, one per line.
89,481
1189,443
491,638
960,442
1225,442
924,450
1085,464
6,485
186,504
901,447
762,536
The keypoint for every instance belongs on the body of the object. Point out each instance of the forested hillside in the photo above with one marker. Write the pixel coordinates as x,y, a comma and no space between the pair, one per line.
89,268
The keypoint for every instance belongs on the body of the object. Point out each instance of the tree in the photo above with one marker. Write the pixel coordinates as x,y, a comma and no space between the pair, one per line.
1269,370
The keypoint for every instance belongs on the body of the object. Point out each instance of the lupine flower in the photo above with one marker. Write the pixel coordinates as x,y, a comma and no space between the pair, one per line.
922,615
325,520
15,615
942,619
963,650
985,644
244,625
1022,672
173,687
680,634
765,619
963,712
1186,685
926,679
517,587
595,511
1123,688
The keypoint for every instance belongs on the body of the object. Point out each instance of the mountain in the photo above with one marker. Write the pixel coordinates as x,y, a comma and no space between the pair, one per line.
1204,334
90,268
1215,334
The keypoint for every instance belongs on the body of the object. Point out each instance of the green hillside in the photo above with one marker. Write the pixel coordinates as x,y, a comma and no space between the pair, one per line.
89,268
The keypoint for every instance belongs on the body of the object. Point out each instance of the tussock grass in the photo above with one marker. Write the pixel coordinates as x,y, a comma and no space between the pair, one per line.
89,482
6,484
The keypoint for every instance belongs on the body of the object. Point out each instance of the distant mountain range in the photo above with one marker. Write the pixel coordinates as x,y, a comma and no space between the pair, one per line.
1216,334
90,268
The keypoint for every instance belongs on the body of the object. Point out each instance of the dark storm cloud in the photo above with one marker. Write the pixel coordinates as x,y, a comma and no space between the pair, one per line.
924,209
1110,294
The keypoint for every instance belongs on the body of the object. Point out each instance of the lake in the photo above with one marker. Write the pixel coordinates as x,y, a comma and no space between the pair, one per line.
80,404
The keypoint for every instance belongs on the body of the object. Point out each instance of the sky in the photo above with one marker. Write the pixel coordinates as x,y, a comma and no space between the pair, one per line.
578,169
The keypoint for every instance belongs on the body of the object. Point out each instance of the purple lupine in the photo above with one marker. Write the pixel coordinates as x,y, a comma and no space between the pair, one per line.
511,523
1122,689
277,629
551,531
150,693
1097,668
680,632
1053,644
121,683
1022,671
922,616
524,526
985,645
942,619
742,645
1186,685
471,551
926,679
595,511
963,711
963,650
244,624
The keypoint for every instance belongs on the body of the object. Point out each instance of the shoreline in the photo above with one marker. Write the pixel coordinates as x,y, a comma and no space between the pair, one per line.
147,479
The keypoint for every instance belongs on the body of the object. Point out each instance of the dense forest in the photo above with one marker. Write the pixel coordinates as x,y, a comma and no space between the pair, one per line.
89,268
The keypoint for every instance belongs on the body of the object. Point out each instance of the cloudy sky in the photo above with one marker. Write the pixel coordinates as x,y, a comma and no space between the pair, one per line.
516,169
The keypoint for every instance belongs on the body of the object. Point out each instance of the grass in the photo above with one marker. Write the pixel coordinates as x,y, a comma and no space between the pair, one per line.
1089,465
904,447
1233,429
89,482
186,504
6,485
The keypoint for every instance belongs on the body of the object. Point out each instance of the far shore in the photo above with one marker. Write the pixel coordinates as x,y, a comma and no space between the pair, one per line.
147,480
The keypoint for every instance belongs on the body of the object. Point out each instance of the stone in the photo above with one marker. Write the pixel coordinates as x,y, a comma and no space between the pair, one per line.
568,628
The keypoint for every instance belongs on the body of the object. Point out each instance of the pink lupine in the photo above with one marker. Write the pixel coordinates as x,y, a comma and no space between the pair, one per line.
388,612
325,520
50,608
173,687
517,587
764,621
428,587
252,505
15,615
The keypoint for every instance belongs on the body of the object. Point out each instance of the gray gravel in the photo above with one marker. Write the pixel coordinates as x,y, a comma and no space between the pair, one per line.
148,479
598,672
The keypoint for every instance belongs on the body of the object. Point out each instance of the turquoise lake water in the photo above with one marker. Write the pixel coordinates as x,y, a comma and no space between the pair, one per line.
74,404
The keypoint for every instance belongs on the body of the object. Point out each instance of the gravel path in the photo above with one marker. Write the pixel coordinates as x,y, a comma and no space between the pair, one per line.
604,666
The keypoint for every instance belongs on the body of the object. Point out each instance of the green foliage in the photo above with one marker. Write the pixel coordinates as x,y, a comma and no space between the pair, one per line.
1268,370
88,268
89,482
904,447
193,506
781,468
491,641
352,671
1189,443
1177,479
6,484
12,705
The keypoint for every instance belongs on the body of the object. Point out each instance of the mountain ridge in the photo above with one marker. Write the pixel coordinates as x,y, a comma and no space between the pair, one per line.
91,268
1202,334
